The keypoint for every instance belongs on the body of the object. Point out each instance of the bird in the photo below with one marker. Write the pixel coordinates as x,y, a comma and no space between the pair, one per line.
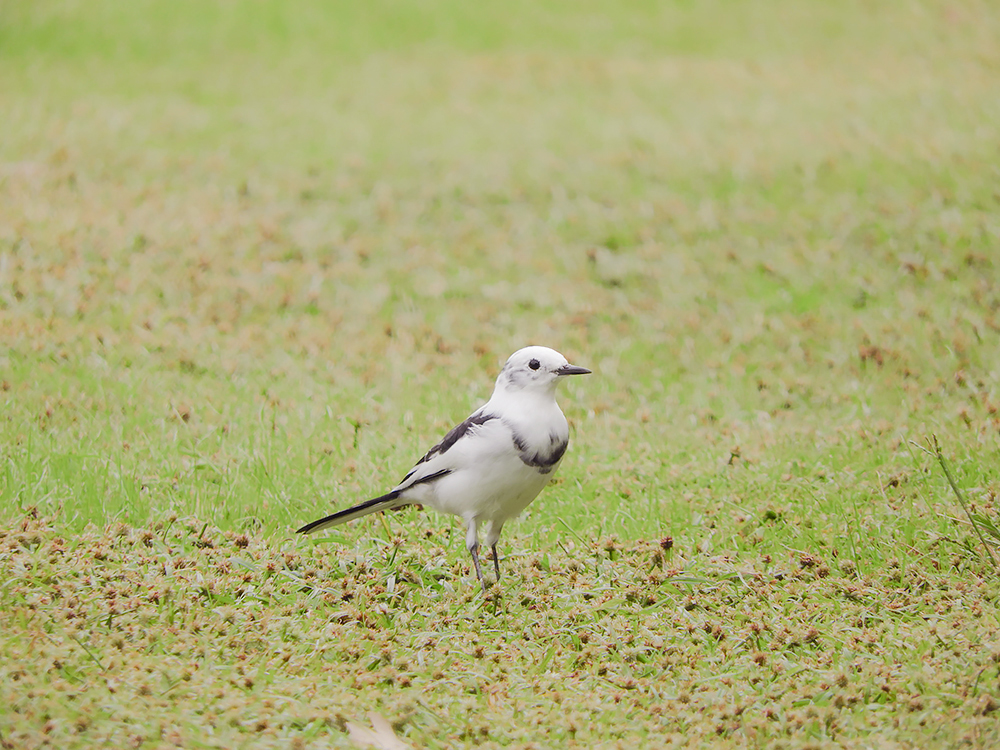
489,468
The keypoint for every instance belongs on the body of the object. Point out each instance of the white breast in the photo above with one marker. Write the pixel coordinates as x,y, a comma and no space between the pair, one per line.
488,481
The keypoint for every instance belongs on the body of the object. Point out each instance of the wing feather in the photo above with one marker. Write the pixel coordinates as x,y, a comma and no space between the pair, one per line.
437,462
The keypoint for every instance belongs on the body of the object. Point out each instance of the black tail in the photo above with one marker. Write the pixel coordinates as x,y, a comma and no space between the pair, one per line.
385,502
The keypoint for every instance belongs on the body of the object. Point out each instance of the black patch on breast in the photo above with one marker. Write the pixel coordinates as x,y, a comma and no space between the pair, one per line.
543,460
456,434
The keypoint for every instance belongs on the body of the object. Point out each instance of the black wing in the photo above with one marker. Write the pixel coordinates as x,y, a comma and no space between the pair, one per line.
454,435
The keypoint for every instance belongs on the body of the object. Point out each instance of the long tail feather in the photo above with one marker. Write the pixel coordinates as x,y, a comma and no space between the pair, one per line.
385,502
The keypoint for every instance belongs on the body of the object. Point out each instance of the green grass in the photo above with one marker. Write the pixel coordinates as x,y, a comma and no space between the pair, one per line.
242,244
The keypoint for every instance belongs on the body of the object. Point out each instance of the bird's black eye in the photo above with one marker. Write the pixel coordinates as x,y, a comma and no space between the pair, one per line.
534,364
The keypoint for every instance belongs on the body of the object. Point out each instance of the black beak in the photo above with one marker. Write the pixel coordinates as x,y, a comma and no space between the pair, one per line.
572,370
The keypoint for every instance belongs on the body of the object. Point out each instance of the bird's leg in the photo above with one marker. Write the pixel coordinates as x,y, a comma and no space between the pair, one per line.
491,539
474,551
472,543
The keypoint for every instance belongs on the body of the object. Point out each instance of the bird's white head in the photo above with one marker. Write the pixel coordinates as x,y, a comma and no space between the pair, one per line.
536,368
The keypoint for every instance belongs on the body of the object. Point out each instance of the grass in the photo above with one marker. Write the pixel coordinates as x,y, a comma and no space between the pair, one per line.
242,246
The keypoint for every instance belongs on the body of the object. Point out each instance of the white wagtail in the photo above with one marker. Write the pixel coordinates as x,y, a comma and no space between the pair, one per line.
488,468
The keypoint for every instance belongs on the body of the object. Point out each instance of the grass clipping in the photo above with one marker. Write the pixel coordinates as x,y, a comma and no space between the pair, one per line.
182,634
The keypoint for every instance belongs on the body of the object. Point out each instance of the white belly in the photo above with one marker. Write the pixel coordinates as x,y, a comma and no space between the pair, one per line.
496,493
488,480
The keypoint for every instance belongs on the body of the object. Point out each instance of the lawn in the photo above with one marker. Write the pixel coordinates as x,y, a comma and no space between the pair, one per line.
256,257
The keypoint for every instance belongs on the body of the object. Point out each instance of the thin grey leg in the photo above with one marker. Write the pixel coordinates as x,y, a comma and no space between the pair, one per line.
472,543
474,551
491,539
496,561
